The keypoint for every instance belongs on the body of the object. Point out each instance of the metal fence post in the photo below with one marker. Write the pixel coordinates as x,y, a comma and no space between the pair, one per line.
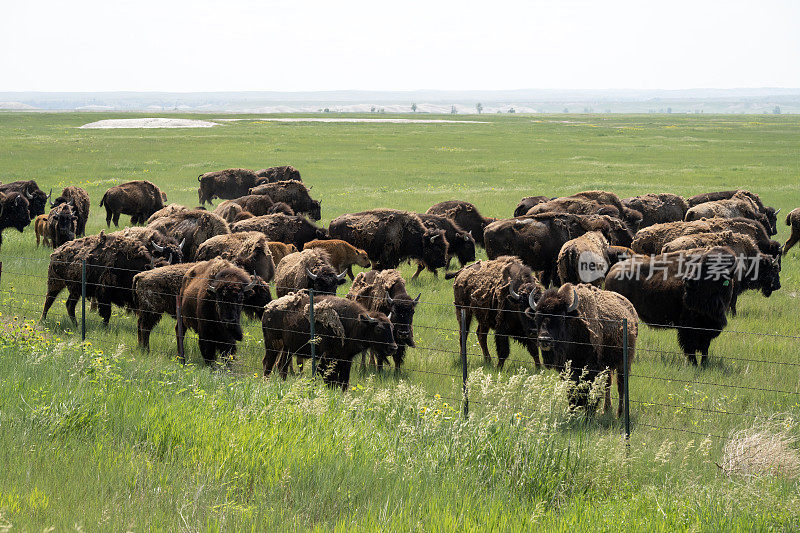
625,378
83,301
312,338
179,328
463,346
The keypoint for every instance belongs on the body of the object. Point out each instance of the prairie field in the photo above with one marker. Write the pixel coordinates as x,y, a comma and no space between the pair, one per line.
106,437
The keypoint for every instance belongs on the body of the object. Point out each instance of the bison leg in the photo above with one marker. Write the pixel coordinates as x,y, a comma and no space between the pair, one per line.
350,272
398,356
50,298
147,321
482,332
791,241
733,302
115,219
420,268
704,357
343,373
72,301
208,350
503,348
109,214
270,356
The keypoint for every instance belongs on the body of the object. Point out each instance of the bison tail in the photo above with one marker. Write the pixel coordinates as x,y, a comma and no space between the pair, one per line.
451,275
103,199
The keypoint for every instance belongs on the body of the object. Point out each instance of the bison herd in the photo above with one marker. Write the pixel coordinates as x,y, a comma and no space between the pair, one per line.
566,277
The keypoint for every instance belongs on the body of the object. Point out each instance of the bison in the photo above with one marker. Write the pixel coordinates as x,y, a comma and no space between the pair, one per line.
769,212
737,207
155,293
273,174
294,230
342,255
390,236
792,220
497,293
42,233
229,211
292,193
191,227
14,212
212,295
111,263
464,215
279,250
226,184
80,203
651,240
256,204
580,328
385,291
281,207
37,198
139,199
459,242
668,293
528,202
62,224
309,269
247,249
658,208
342,327
584,259
159,244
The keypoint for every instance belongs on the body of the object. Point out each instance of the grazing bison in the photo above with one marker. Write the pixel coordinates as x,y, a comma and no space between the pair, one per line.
257,204
229,211
464,215
168,211
279,250
191,227
281,207
342,255
390,236
111,263
736,207
343,328
227,184
769,212
80,203
631,217
62,224
651,240
292,193
757,271
14,212
580,327
528,202
309,269
792,220
459,242
669,294
155,293
497,293
37,198
538,239
247,249
294,230
658,208
584,259
159,244
212,294
42,234
139,199
385,291
273,174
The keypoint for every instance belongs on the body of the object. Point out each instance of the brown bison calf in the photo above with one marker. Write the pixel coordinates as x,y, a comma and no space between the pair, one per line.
212,295
247,249
342,255
582,326
279,250
40,227
793,220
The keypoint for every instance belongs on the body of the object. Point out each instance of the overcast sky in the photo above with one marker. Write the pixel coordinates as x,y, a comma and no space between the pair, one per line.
236,45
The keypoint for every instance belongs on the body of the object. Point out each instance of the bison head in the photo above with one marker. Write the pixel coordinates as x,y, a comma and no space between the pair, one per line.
227,292
709,289
325,280
769,274
256,298
772,218
315,213
362,259
16,212
434,248
66,223
402,317
168,250
556,317
463,247
37,199
376,329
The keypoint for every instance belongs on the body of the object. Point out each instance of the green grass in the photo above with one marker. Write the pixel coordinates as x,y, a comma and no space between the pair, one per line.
139,447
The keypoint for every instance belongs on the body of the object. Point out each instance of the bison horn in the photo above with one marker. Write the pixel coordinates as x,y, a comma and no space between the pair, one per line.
776,260
433,239
212,289
156,247
170,258
49,201
778,211
389,316
28,195
574,305
182,243
369,319
389,300
311,274
512,292
532,301
341,276
253,282
416,300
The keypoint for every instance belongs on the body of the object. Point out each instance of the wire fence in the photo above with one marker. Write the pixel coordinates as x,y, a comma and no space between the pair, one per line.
302,331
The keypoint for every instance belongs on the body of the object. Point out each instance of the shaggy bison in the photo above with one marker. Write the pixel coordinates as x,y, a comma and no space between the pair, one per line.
739,206
36,198
14,212
212,294
497,293
273,174
292,193
669,294
139,199
155,293
460,243
769,212
580,327
191,227
309,269
342,255
80,204
256,204
651,240
390,236
528,202
294,230
247,249
160,245
584,259
792,220
111,263
62,224
658,208
464,215
385,291
227,184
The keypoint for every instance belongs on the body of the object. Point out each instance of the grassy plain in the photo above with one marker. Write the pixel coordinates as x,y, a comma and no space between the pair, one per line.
132,441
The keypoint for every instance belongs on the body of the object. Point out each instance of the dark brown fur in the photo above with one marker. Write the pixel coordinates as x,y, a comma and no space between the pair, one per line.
464,215
658,208
226,184
139,199
294,230
248,250
293,193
